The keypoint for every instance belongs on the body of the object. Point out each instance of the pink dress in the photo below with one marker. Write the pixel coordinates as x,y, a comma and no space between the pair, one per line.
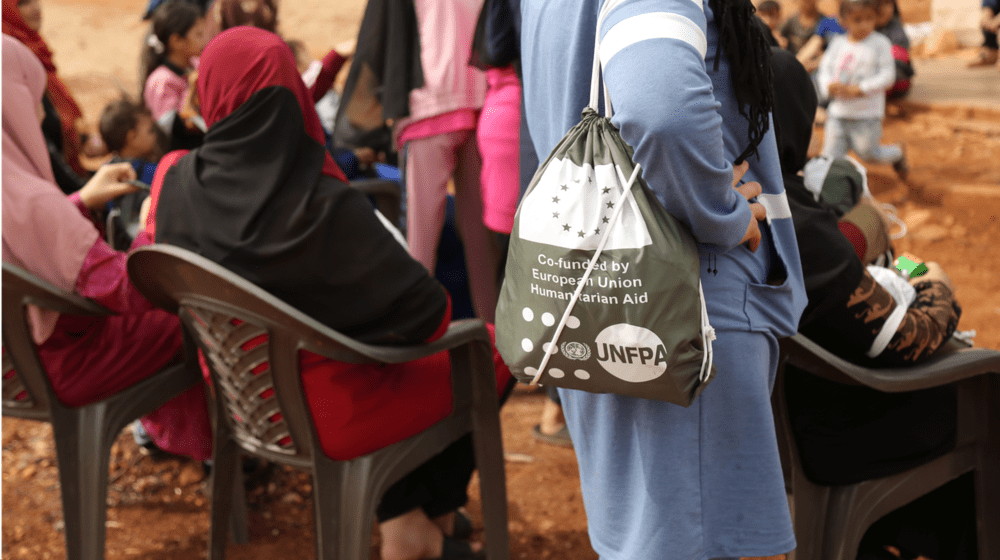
164,91
499,143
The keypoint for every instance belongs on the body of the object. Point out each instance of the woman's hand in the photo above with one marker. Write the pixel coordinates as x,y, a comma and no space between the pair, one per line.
750,190
934,274
144,213
109,182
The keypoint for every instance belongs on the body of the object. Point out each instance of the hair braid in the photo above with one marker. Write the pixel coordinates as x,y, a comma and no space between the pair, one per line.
742,42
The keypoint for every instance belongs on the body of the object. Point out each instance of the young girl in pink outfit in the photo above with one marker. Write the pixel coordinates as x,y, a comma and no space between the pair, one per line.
498,135
439,138
179,35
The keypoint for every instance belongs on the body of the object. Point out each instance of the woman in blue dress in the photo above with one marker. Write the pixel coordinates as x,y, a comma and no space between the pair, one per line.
690,86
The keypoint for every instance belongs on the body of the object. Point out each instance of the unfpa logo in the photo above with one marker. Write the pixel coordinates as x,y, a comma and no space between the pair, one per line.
631,353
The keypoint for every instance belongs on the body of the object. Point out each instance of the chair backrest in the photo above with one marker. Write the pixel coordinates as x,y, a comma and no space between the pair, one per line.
257,383
27,392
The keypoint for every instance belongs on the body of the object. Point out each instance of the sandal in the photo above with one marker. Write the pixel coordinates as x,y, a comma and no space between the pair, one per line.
560,438
459,550
984,58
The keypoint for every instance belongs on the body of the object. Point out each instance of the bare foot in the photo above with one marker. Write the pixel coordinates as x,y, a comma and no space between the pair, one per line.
446,523
414,536
410,536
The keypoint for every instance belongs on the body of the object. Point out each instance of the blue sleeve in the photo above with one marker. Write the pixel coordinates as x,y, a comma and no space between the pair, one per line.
664,106
829,28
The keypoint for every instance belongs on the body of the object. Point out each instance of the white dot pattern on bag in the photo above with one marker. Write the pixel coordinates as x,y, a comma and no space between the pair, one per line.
581,374
573,323
527,345
556,373
548,319
528,314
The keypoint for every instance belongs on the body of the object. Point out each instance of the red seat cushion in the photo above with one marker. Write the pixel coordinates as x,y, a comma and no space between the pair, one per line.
359,409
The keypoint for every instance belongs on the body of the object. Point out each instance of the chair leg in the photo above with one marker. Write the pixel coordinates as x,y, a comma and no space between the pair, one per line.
344,509
238,524
488,443
83,456
225,458
810,509
987,477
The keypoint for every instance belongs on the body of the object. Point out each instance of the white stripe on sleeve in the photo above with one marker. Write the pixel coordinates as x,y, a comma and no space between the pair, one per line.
656,25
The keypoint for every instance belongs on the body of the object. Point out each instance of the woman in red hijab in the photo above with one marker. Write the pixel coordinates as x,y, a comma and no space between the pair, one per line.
22,20
263,198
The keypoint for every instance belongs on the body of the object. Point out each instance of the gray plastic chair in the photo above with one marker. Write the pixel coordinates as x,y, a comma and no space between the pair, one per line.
83,435
831,520
209,297
385,193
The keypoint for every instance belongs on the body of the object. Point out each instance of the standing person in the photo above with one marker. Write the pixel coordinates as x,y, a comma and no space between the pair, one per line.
855,73
690,87
439,138
53,237
989,21
63,124
890,24
292,225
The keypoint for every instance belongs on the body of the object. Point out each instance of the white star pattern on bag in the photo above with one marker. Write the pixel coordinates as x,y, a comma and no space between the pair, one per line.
571,206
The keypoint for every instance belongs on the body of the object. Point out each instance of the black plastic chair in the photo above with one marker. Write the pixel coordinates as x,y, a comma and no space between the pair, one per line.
208,298
830,521
83,435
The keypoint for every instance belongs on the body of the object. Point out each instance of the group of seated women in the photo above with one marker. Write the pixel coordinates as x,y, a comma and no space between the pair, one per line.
263,198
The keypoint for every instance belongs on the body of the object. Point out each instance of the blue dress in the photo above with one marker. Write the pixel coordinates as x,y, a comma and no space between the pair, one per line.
661,481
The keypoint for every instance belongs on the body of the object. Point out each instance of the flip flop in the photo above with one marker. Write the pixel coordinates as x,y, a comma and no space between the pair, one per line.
459,550
462,528
560,438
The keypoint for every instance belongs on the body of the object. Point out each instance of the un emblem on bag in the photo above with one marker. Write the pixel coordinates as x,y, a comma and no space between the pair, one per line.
575,351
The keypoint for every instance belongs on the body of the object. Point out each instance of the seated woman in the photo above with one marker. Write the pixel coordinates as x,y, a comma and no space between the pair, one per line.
855,316
22,20
847,434
263,198
53,237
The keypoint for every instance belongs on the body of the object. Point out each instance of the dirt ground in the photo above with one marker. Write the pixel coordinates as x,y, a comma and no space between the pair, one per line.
158,510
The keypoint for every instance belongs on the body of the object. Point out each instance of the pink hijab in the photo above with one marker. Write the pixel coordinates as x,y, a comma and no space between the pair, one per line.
43,232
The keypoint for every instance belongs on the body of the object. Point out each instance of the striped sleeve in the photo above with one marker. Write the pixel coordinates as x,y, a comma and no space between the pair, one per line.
654,53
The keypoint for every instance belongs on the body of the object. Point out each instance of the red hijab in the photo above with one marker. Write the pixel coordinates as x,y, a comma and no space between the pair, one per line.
241,61
15,26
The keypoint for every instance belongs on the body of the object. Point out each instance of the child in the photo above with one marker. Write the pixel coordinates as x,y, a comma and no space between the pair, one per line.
770,12
178,36
131,134
855,72
129,131
890,25
799,28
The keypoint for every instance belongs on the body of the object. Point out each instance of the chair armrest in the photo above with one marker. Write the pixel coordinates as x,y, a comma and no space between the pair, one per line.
377,187
37,291
459,333
940,369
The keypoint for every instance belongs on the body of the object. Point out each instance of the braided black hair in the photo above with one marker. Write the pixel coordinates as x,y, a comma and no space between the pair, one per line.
742,41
